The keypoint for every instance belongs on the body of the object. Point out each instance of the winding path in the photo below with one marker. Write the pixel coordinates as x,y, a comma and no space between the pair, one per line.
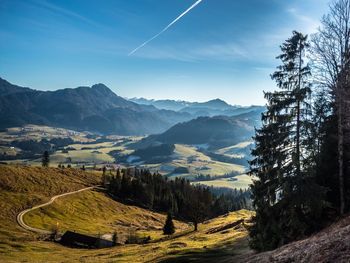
20,216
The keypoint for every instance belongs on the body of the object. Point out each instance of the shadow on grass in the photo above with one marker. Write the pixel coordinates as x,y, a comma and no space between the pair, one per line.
208,255
228,250
174,236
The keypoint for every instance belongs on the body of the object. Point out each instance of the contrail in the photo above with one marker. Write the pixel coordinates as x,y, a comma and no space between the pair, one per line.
167,27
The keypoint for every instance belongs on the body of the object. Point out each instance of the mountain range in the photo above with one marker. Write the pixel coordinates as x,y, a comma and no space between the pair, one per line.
99,109
198,109
95,109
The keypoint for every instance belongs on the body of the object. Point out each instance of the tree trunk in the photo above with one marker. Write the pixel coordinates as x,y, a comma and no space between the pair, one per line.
195,226
340,148
298,114
345,100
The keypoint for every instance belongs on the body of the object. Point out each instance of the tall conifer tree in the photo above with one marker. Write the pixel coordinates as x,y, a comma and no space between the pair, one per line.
284,193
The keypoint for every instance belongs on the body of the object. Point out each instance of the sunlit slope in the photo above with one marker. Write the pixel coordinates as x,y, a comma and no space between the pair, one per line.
22,187
95,213
218,239
92,212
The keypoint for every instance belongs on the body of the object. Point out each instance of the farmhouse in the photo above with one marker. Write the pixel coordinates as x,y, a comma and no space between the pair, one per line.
73,239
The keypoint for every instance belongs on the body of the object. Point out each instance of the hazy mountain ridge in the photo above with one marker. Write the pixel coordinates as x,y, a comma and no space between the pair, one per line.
199,109
174,105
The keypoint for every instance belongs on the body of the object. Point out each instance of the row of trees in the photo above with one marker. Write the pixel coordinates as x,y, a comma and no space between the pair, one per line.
182,199
302,155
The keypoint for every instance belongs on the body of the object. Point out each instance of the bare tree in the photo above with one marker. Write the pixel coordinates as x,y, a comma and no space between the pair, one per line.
331,46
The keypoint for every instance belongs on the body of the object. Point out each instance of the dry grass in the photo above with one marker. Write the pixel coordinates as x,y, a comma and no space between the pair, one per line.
22,187
188,246
95,213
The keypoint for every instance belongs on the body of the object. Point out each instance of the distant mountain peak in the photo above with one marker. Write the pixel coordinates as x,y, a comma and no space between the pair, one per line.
218,102
101,87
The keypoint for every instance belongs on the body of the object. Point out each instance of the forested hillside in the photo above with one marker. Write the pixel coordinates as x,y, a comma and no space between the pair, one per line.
194,203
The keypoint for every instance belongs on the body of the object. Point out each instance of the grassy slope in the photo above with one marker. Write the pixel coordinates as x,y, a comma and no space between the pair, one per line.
95,213
23,187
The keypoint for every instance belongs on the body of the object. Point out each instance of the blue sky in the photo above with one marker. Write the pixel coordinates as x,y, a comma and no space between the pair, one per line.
221,49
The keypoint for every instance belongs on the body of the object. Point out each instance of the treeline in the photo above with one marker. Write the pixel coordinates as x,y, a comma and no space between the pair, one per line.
230,200
185,201
31,149
208,177
302,151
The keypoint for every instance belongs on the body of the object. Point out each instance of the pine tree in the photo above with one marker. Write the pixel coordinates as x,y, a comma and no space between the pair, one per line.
285,194
104,176
169,227
45,161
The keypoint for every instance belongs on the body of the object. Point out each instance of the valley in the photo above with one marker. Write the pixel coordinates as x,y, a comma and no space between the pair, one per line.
95,152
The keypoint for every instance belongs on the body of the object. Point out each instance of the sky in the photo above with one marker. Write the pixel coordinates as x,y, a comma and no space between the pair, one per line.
220,49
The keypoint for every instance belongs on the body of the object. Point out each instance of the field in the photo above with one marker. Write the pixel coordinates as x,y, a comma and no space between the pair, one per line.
36,132
93,151
234,151
196,162
92,212
90,154
238,182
